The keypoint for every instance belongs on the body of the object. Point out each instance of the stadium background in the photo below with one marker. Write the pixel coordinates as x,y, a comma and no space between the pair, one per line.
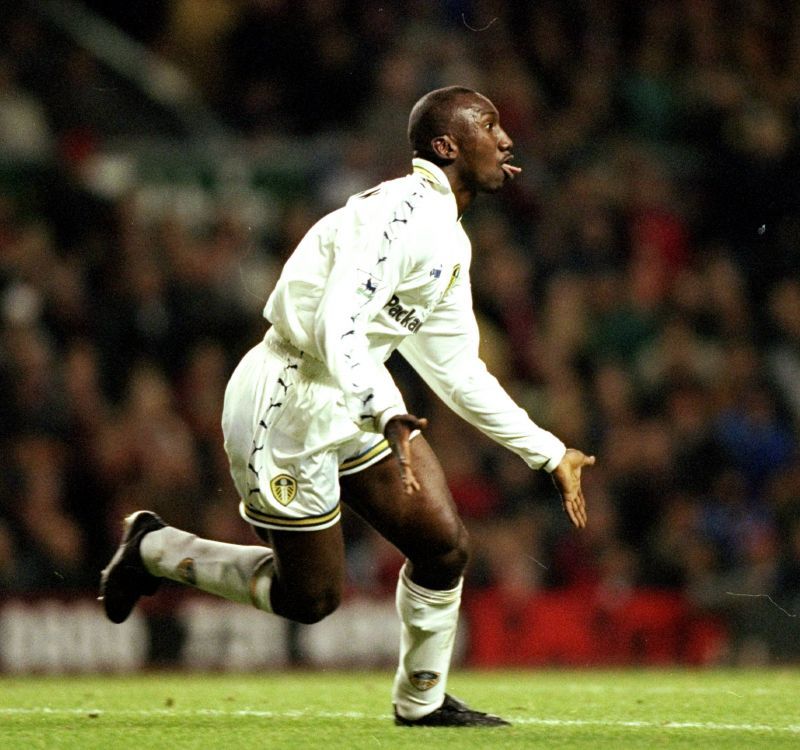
638,290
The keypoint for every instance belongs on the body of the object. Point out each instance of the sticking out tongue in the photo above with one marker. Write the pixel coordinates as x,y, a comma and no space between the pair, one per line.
510,170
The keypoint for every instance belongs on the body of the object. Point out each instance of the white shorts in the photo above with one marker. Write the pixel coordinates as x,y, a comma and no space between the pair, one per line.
289,438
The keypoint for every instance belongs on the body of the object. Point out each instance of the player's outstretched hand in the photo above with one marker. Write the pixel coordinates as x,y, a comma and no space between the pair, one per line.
567,479
398,431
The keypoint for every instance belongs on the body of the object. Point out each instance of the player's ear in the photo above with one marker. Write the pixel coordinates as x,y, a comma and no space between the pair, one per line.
444,147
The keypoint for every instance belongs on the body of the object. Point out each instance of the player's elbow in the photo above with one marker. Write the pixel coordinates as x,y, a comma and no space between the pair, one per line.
471,384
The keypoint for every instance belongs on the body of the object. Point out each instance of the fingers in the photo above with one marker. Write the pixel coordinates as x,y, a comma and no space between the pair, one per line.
568,481
398,432
402,451
576,510
410,483
575,505
580,511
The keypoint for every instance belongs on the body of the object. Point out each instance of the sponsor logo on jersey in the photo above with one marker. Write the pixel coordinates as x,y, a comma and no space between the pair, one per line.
424,679
284,488
405,316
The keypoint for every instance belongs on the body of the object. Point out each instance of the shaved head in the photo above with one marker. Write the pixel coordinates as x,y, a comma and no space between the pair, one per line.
433,115
458,130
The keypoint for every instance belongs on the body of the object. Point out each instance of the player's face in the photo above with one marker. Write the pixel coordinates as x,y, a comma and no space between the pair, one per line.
485,148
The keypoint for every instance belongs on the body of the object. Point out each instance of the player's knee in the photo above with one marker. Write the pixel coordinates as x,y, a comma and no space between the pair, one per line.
455,561
441,567
311,608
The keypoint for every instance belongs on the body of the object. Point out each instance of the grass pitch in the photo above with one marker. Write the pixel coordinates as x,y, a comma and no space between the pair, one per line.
306,710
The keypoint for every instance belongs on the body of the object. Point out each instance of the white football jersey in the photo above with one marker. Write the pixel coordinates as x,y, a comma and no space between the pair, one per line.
390,270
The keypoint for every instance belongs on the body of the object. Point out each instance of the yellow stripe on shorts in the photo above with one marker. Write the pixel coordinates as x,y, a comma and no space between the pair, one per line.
290,523
367,456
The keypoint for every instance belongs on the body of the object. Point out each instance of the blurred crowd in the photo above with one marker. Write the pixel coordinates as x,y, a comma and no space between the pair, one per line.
638,288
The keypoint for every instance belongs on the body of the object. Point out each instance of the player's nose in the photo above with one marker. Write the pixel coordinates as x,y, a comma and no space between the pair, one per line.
504,142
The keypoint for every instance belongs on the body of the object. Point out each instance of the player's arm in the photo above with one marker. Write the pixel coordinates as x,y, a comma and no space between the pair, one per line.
368,265
445,354
352,297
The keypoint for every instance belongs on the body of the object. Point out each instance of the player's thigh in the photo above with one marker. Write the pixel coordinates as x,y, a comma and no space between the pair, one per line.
425,525
309,571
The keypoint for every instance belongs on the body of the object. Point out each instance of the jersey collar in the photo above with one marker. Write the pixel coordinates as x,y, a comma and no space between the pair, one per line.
433,174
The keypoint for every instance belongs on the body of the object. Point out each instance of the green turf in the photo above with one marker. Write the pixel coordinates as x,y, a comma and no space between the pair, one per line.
552,709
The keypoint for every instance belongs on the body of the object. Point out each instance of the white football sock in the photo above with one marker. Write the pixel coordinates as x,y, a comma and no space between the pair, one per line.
237,572
429,620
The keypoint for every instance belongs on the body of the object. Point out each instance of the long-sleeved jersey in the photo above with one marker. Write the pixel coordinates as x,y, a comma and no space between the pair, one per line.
390,270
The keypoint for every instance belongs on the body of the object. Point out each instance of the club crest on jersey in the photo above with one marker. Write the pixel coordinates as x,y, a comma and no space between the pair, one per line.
284,488
424,679
453,277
